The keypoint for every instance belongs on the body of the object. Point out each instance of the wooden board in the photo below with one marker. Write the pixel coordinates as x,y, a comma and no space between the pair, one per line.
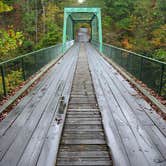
125,117
23,141
83,139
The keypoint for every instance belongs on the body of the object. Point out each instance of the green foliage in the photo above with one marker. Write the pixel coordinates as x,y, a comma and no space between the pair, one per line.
4,7
10,41
159,37
1,88
118,9
124,23
160,55
29,23
27,46
52,20
12,80
52,37
137,25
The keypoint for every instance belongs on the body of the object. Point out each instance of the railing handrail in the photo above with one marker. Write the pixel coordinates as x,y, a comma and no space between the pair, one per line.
30,53
145,57
148,58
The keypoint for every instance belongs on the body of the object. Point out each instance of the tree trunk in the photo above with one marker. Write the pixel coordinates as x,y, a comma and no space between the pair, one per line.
44,16
36,21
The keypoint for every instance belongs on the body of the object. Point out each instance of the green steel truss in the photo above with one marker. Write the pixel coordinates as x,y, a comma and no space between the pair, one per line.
83,15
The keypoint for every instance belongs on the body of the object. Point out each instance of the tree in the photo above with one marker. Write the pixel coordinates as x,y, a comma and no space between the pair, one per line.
10,41
4,7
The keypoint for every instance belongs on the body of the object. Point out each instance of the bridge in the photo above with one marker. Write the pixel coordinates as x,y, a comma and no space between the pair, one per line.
82,104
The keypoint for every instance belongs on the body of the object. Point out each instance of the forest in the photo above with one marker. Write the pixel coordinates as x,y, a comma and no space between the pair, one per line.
136,25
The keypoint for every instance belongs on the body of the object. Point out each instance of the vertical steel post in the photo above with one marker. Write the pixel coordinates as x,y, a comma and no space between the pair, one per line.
128,57
73,30
3,80
161,79
100,30
91,31
36,63
64,31
128,62
23,68
121,57
140,69
110,51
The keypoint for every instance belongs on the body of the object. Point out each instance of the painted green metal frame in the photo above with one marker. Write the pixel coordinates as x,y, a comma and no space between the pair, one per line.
67,15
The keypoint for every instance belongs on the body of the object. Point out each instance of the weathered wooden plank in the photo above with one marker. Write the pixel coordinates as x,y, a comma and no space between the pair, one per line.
83,122
139,105
132,149
77,128
33,149
83,119
81,135
82,100
27,100
83,112
144,106
84,161
83,141
23,138
82,106
12,133
80,95
83,109
34,95
157,138
87,154
82,87
145,120
115,139
83,116
129,115
50,146
153,155
78,148
42,112
83,127
34,146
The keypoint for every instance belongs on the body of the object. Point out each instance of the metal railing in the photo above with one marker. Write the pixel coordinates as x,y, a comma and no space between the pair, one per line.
150,71
13,72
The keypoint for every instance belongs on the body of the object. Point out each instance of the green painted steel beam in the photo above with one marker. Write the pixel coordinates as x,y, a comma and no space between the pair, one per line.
84,10
71,17
69,28
100,30
93,17
86,21
64,31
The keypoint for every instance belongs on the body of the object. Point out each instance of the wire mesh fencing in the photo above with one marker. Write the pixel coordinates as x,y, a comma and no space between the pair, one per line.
15,71
150,71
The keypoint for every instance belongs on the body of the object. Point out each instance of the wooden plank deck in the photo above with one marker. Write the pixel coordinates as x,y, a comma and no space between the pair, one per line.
83,140
135,132
25,133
